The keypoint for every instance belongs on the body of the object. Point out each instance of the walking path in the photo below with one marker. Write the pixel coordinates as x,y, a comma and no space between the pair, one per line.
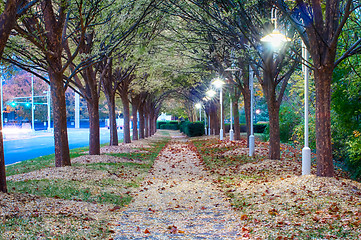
178,200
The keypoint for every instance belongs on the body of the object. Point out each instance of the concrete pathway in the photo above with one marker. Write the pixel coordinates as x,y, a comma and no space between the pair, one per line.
178,200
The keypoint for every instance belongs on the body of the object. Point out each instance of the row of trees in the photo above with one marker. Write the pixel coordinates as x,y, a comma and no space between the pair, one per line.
145,50
232,31
94,47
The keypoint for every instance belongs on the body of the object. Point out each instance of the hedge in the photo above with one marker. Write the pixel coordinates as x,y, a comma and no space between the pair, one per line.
192,129
257,128
169,126
160,123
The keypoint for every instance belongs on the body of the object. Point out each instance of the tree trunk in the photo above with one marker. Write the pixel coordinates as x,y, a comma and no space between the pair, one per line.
141,123
112,121
146,124
247,110
94,135
237,129
7,22
62,157
274,131
126,112
135,119
323,79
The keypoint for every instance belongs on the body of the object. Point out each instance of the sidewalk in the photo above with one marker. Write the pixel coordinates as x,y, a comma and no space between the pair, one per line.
178,200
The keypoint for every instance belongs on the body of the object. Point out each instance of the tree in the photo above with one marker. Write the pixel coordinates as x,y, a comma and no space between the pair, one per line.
319,24
12,10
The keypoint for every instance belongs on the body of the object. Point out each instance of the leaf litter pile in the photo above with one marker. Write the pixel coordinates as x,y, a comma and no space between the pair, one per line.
77,202
198,189
274,201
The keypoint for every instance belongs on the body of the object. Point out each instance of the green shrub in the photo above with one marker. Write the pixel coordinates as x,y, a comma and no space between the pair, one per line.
289,119
192,129
160,123
299,133
354,154
170,126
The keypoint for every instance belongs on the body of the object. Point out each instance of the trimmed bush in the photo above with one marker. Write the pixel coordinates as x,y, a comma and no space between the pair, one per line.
169,126
160,123
257,128
192,129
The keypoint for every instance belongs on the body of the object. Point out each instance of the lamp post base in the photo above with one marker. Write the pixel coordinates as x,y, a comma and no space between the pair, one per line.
231,135
205,131
306,161
251,145
209,131
221,134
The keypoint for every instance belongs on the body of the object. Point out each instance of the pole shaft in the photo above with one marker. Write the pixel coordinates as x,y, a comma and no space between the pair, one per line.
305,56
32,103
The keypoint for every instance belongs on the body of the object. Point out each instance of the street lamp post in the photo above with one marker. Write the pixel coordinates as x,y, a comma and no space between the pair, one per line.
218,83
210,93
251,136
2,100
233,69
32,104
306,151
48,105
199,107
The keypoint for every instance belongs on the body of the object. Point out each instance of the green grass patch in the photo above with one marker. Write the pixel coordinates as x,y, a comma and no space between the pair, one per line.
33,228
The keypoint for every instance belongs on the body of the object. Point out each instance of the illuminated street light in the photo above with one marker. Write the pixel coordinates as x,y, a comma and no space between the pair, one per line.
276,38
211,93
306,151
199,106
218,83
233,69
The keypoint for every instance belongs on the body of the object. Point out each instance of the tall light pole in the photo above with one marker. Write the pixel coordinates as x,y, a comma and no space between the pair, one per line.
306,151
210,93
277,40
77,110
218,83
48,102
2,99
199,107
233,69
251,136
32,103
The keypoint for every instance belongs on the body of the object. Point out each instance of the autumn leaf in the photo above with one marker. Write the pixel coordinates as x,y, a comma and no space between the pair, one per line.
146,231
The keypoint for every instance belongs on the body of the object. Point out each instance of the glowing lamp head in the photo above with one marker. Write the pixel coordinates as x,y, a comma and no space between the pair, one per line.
211,93
218,83
276,39
198,105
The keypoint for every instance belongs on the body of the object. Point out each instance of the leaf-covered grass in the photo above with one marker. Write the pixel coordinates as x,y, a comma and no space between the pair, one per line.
70,190
36,227
114,190
273,199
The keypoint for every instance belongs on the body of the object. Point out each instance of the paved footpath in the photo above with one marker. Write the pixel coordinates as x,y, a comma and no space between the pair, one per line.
178,200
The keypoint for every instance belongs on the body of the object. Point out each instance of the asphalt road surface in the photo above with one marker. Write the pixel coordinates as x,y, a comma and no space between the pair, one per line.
24,146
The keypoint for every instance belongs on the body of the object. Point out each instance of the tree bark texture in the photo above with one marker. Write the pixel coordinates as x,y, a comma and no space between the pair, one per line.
237,128
135,104
112,121
126,113
94,127
54,29
323,79
146,123
110,85
141,123
7,23
62,157
247,108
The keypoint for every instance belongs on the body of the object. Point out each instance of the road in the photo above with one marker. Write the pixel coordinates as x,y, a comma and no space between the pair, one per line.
20,147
